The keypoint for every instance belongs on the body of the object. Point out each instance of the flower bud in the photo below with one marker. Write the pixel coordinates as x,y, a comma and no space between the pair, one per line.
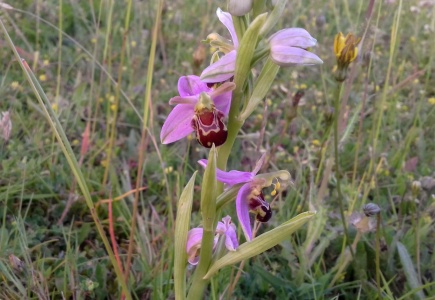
371,209
416,188
345,50
239,7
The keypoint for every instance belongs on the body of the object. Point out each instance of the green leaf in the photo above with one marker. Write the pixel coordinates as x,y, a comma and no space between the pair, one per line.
262,243
408,267
182,224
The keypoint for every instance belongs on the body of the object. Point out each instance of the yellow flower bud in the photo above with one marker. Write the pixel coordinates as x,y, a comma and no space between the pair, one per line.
345,50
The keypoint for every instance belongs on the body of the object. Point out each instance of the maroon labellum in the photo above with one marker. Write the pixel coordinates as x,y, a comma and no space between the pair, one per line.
210,127
261,208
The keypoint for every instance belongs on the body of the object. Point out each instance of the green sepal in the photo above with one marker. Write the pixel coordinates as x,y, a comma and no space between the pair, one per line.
228,195
261,243
258,7
245,51
262,86
182,225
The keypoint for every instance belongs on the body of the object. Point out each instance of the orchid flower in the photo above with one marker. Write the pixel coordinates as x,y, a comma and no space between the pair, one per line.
223,69
194,238
198,108
287,47
250,197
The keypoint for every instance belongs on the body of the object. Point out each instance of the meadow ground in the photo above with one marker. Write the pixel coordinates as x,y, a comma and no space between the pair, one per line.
108,91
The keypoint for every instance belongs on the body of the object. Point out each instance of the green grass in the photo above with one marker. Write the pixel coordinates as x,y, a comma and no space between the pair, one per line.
96,73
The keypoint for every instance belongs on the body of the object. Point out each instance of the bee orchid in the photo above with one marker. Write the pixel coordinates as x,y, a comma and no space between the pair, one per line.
199,108
250,197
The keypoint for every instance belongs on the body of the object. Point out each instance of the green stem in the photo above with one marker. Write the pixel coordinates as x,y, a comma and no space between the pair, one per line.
378,250
338,93
208,212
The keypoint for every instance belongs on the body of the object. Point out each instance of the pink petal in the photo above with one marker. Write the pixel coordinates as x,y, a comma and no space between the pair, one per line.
223,102
231,177
221,228
242,209
222,96
292,37
227,20
192,100
231,241
194,239
288,56
191,85
221,70
177,124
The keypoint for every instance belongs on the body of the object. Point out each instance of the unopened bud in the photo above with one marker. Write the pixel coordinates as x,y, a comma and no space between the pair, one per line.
239,7
346,50
416,188
371,209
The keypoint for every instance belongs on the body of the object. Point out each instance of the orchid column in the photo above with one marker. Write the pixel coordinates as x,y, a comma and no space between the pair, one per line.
227,89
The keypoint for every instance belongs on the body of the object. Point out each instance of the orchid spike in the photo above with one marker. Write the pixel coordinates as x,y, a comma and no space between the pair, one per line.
194,238
288,47
250,197
199,108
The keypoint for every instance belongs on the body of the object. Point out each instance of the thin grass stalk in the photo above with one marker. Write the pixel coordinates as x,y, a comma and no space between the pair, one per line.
107,72
58,76
108,62
378,250
338,94
378,121
68,152
146,113
59,56
114,117
112,235
92,98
